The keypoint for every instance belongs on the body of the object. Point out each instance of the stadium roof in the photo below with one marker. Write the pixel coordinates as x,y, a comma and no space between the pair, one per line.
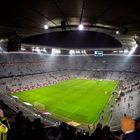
74,39
28,17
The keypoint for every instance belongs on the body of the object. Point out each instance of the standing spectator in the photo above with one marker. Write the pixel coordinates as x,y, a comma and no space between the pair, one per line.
97,134
128,127
4,126
118,135
137,127
53,133
107,135
38,130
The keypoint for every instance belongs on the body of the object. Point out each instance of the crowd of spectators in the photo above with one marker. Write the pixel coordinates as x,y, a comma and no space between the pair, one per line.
22,64
25,71
22,128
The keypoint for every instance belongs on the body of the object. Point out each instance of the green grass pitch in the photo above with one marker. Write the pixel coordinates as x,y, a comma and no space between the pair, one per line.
72,100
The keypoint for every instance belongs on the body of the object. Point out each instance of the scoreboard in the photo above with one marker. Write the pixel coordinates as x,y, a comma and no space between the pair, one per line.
98,53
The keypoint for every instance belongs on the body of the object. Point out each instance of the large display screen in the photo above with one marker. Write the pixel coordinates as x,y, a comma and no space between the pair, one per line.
98,53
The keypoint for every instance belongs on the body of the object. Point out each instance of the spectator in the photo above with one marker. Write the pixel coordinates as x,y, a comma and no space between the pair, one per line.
137,127
118,135
107,135
4,126
38,130
53,133
97,134
64,129
128,126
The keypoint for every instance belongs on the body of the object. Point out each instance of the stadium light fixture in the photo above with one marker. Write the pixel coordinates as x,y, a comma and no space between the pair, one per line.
22,48
117,32
81,27
126,51
38,50
115,51
71,52
83,52
33,49
121,52
77,52
46,27
55,51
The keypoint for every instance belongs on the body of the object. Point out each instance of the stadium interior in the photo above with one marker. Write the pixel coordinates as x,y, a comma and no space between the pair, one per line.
69,70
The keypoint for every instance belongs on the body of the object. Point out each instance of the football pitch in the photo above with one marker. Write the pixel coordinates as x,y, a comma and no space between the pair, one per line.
77,100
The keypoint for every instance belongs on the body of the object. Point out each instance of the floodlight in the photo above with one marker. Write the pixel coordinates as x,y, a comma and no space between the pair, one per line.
55,51
117,32
45,26
71,52
81,27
